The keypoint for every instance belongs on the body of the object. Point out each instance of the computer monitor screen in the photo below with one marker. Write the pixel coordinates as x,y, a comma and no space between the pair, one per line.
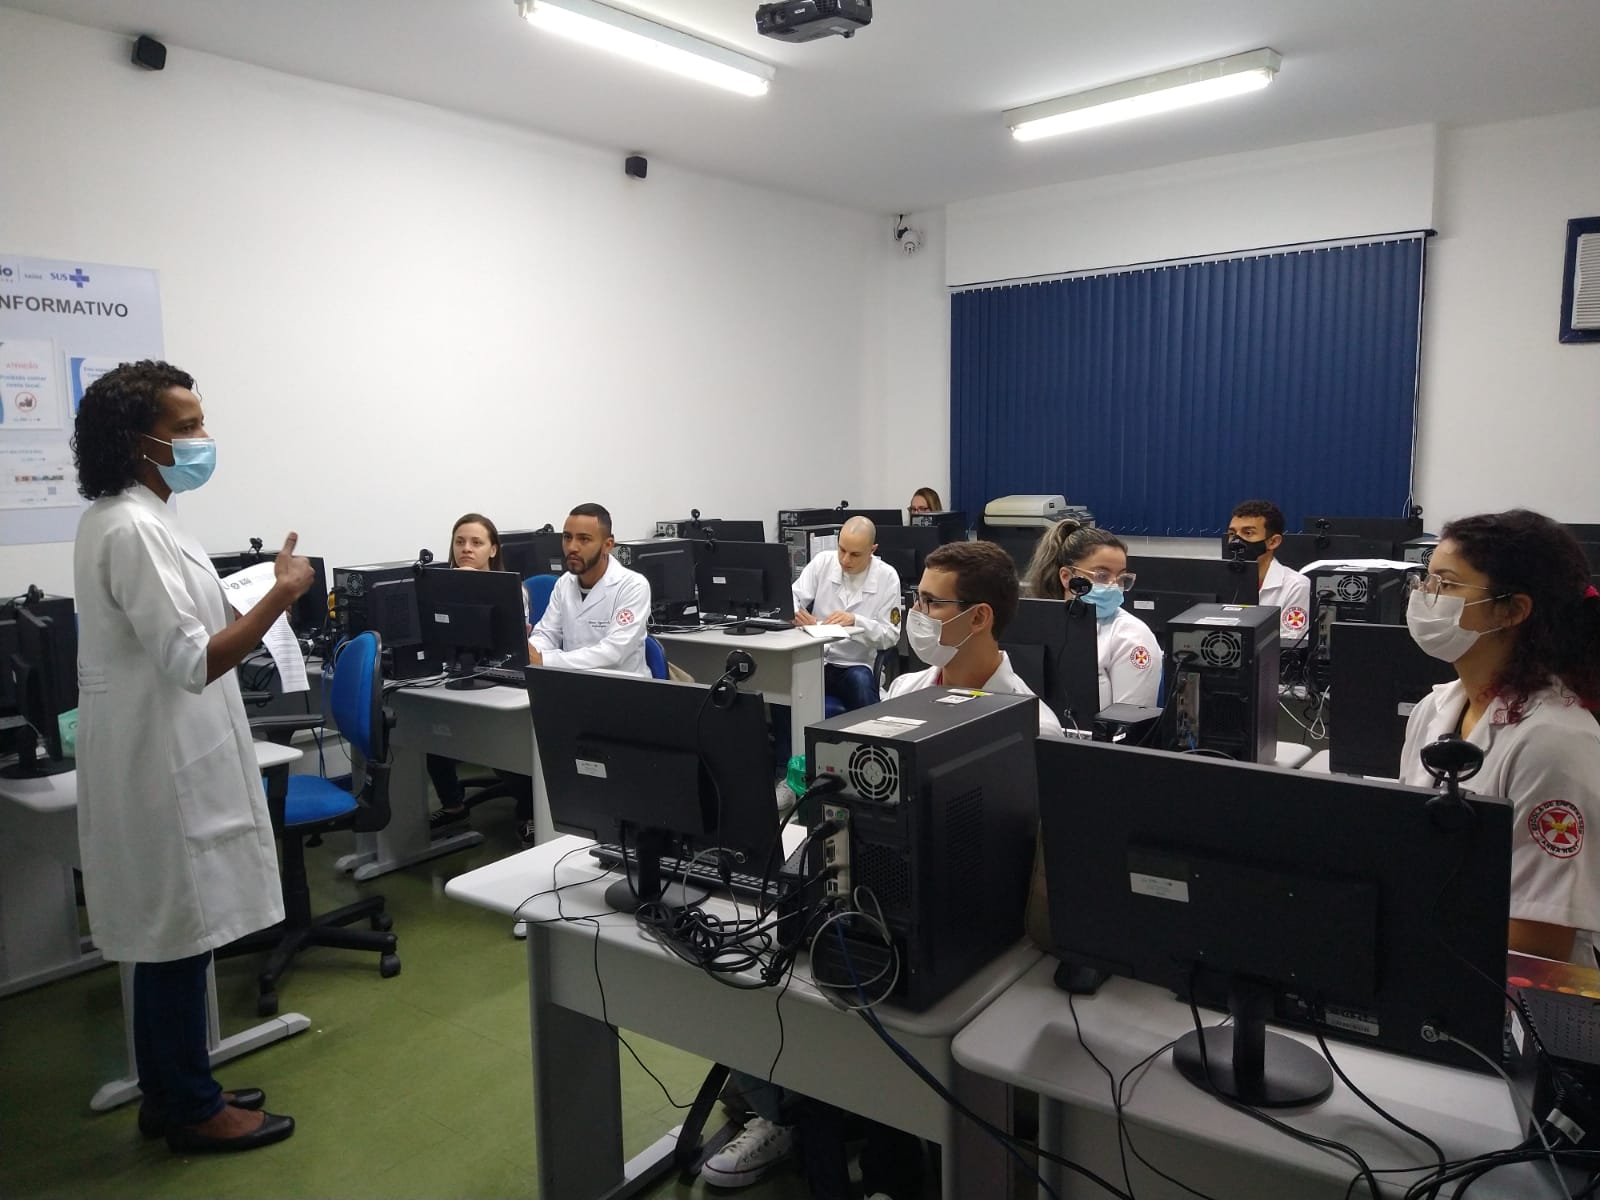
1051,645
1383,529
1298,549
472,619
904,547
739,580
44,679
1219,580
1378,674
669,567
529,552
1584,533
1280,895
657,766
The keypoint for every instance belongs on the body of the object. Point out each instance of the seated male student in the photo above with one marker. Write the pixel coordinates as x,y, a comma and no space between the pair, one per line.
599,612
1255,530
855,589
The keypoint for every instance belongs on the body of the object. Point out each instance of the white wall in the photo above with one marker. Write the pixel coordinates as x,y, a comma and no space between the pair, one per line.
1319,191
396,314
1509,414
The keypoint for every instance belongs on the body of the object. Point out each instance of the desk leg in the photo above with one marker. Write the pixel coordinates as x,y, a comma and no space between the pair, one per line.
405,841
975,1164
1052,1137
223,1049
806,695
577,1099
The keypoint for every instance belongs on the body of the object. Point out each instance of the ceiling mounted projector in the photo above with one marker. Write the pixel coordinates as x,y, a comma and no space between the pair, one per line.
808,20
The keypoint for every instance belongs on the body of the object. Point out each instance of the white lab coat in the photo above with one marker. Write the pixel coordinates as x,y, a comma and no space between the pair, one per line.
1130,661
1004,682
178,854
876,607
604,630
1290,592
1548,766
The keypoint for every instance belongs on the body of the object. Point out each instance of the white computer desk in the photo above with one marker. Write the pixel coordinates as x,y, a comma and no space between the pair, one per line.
39,914
827,1054
788,668
1026,1039
489,727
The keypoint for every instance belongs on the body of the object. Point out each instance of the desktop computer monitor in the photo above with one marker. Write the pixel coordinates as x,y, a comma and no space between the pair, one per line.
883,518
952,525
1370,911
470,620
904,547
1584,533
1019,541
1218,580
308,617
1383,529
1298,549
716,528
659,767
738,581
529,552
668,565
1052,646
43,670
1377,676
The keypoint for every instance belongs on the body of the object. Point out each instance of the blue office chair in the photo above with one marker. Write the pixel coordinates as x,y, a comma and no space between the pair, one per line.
539,588
310,806
656,657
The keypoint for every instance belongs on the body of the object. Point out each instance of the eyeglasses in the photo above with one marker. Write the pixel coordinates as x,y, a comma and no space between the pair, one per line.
1431,586
924,602
1104,577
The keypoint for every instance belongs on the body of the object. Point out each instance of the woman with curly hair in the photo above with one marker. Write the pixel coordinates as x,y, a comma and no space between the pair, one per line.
178,852
1508,602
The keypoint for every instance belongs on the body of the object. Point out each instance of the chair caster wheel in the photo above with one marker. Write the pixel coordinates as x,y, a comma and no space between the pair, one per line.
267,1004
382,923
389,966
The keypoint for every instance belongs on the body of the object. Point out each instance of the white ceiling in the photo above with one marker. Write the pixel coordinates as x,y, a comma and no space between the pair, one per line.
905,115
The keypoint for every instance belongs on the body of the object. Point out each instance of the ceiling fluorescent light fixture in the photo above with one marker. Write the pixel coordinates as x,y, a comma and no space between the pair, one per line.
644,41
1142,97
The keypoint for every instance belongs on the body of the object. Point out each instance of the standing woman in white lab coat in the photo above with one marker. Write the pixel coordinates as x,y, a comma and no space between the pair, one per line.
178,853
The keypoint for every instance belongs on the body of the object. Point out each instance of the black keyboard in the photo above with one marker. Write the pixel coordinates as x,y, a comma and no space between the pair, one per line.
703,872
504,676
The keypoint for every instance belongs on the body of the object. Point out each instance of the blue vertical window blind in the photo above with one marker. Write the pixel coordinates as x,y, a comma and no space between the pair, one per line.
1161,397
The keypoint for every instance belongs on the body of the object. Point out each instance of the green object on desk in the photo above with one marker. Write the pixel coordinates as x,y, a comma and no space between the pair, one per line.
795,780
67,723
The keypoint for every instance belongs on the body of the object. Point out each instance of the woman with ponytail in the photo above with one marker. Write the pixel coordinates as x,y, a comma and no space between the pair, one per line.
1508,602
1074,561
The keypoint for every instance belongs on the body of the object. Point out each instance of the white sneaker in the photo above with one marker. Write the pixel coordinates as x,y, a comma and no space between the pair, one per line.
785,799
754,1151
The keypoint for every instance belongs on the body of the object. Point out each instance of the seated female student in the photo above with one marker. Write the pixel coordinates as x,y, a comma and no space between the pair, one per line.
475,546
1507,601
924,500
1130,658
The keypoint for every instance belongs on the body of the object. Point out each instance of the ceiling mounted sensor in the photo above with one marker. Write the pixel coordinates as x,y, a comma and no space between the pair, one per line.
632,36
908,239
808,20
1145,96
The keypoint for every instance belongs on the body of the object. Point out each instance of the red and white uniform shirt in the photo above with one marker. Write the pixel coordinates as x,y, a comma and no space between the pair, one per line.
1548,766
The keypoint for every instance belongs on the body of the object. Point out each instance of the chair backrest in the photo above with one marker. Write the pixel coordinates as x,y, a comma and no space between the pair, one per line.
355,696
655,658
539,588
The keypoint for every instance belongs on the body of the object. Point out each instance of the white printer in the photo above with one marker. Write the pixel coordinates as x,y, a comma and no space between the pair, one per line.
1033,512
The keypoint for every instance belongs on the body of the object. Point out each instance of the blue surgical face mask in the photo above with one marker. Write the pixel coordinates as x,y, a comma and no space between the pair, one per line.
193,460
1106,598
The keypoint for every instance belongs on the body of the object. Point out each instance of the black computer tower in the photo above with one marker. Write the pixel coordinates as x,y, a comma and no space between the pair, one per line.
668,565
952,526
1372,595
383,597
1223,694
790,517
940,805
800,540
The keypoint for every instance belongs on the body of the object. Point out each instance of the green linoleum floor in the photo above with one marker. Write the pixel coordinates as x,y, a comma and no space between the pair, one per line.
417,1086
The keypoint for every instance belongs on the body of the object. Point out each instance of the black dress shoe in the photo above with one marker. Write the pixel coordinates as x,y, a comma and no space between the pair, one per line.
188,1140
153,1125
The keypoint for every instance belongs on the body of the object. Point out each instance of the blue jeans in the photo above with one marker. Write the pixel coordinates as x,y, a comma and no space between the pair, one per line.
171,1040
852,686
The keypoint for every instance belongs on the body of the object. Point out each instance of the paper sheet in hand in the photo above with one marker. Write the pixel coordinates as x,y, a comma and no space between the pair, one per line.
245,590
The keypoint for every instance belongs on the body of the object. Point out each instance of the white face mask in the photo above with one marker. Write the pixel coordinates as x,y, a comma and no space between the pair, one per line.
925,634
1437,628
